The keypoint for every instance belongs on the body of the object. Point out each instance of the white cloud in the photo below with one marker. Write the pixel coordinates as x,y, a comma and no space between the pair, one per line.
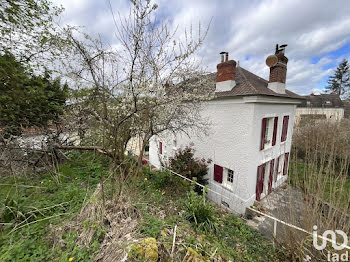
248,30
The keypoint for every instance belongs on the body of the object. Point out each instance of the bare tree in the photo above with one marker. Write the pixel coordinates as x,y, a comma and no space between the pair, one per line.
150,82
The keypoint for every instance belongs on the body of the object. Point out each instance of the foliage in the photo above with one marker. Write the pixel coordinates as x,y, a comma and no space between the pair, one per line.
27,29
151,226
319,175
28,100
187,165
46,201
340,81
200,212
232,239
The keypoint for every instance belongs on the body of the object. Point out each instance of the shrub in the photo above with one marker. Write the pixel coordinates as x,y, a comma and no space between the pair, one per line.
199,211
187,165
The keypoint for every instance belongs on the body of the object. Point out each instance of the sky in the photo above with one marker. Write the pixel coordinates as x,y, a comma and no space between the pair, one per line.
317,32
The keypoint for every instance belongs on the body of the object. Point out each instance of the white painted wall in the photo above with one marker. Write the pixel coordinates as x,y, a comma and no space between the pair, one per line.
335,114
234,143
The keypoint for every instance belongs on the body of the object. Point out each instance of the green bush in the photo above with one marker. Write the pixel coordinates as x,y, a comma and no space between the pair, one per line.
187,165
200,212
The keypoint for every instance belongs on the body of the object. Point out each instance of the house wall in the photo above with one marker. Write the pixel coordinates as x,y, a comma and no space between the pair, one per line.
233,142
335,114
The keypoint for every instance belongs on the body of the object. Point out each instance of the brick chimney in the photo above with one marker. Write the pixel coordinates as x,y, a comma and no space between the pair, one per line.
226,74
278,70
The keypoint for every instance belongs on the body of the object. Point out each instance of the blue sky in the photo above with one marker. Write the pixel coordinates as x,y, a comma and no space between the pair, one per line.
317,31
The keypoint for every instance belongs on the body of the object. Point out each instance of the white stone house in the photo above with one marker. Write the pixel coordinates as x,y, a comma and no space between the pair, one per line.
251,124
320,107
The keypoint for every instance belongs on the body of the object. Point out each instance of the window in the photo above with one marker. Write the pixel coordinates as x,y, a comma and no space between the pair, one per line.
267,141
328,102
308,103
230,176
285,165
284,128
268,132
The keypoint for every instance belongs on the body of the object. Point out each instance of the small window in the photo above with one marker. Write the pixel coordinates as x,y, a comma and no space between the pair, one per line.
328,102
308,103
230,176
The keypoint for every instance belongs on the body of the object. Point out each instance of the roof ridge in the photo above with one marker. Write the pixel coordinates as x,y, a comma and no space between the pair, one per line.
245,77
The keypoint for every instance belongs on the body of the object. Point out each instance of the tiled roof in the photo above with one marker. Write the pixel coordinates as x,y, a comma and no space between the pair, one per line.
323,100
248,83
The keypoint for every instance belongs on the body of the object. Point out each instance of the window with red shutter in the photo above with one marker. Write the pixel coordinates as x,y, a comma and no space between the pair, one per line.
275,124
160,148
277,167
218,171
260,181
263,133
284,128
285,166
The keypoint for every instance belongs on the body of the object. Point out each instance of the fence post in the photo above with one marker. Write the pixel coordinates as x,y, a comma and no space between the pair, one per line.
274,232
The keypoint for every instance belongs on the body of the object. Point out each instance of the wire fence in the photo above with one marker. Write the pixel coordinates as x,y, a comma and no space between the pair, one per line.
274,219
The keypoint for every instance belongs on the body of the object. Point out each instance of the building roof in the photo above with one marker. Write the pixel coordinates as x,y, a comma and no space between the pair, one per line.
322,101
248,84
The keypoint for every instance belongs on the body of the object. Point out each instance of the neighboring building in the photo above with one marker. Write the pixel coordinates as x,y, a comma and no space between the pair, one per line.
346,109
323,106
251,125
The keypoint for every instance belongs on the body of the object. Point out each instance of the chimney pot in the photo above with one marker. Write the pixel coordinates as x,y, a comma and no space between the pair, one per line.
223,56
278,72
226,73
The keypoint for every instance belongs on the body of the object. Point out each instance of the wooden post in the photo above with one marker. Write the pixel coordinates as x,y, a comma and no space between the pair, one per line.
274,232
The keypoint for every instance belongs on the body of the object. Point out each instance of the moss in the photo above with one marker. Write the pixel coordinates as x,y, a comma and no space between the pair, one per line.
193,256
145,250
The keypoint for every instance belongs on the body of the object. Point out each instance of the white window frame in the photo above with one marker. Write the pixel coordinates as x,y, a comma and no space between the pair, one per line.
230,175
225,178
269,132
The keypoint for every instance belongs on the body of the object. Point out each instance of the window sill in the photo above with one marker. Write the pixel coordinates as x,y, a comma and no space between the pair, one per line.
227,187
267,148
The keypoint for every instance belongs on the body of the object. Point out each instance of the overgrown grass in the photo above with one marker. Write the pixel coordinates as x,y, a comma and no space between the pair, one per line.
159,197
297,178
33,204
165,197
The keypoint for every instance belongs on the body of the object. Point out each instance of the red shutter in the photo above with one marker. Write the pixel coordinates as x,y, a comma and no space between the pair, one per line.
277,166
218,170
263,132
260,181
285,128
275,124
272,165
160,148
285,166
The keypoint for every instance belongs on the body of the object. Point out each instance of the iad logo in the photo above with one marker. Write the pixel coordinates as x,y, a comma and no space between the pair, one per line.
330,235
